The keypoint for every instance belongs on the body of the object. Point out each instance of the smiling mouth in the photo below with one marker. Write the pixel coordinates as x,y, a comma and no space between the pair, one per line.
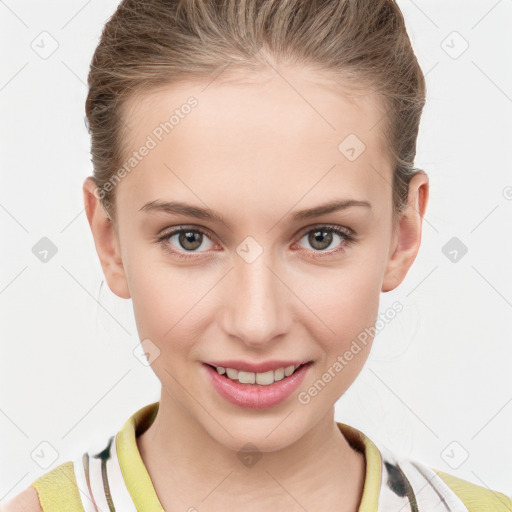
263,378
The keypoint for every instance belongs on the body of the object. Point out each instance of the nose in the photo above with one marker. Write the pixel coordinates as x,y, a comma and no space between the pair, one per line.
256,310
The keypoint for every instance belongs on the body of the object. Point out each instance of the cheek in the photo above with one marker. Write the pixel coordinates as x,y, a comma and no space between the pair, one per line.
161,316
171,305
163,302
348,309
348,298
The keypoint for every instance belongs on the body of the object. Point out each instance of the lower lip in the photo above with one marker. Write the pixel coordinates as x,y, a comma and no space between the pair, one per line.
256,396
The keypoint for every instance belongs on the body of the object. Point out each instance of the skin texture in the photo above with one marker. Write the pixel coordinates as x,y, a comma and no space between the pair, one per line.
255,152
25,501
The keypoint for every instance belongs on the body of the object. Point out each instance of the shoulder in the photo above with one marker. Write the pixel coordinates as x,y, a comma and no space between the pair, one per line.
25,501
412,481
476,497
58,489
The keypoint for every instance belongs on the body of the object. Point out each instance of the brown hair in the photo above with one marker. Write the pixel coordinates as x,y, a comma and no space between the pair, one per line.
151,43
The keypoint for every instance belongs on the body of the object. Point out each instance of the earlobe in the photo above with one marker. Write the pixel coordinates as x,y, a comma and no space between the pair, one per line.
105,240
407,238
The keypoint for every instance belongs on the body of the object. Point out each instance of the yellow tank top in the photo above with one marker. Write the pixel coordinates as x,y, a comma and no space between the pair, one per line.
115,479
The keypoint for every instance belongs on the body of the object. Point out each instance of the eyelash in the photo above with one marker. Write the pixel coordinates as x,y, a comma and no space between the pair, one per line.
347,234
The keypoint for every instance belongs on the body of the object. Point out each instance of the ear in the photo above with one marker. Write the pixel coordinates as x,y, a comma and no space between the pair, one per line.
106,240
407,235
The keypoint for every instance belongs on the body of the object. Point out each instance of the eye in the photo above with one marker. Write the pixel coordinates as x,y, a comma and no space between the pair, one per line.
186,239
189,239
321,237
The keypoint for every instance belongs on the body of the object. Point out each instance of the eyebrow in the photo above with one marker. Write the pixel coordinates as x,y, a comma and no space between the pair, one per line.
181,208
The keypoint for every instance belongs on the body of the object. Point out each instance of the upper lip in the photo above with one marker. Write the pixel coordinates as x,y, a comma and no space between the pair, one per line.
247,366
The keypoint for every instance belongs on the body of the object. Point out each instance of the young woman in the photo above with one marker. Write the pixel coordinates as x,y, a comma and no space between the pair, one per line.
254,192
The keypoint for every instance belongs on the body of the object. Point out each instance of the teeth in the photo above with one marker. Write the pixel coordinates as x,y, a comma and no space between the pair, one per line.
232,374
289,370
264,379
279,374
247,377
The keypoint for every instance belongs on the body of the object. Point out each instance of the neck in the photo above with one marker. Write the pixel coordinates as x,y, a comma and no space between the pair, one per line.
321,467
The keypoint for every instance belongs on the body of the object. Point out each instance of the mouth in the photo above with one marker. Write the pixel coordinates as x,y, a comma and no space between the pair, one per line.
256,390
266,378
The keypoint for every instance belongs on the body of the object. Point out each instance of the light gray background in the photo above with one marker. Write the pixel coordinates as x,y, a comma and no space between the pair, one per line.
437,386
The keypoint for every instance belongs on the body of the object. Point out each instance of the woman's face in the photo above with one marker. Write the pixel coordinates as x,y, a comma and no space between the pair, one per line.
267,283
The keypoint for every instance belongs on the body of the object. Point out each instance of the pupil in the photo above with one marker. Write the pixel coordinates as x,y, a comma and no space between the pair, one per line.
317,238
189,237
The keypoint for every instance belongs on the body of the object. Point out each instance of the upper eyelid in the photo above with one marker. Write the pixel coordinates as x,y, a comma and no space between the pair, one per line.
183,227
348,236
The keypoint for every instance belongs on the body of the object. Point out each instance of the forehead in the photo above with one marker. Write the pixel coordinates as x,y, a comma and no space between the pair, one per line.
269,131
